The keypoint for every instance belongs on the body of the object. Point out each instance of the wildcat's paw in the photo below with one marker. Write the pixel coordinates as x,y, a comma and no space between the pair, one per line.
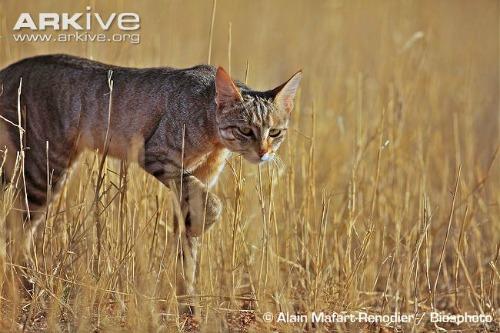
213,210
204,211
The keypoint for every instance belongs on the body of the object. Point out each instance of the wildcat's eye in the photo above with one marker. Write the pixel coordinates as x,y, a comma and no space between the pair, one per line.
274,132
245,131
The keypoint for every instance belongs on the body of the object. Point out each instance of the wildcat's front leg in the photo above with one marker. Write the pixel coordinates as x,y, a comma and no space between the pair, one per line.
200,210
187,247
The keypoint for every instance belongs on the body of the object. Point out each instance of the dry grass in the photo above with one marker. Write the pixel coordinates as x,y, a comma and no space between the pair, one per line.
387,199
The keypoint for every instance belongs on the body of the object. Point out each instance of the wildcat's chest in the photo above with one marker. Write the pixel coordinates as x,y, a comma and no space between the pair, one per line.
208,166
209,159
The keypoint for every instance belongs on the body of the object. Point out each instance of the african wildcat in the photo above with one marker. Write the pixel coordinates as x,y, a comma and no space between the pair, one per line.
185,121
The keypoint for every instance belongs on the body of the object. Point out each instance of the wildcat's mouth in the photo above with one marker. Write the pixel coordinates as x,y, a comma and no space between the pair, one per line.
256,159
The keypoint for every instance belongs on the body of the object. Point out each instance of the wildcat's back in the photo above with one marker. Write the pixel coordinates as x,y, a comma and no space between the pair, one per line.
62,92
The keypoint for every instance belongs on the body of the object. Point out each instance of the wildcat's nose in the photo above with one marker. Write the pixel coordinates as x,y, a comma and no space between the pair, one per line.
264,155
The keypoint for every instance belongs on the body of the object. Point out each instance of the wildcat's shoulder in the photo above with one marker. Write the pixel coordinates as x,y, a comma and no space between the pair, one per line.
200,75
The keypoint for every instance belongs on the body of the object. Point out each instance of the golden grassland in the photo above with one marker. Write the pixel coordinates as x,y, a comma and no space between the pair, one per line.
387,198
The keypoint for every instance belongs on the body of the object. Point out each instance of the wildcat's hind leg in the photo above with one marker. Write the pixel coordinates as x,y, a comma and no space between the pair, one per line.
44,171
37,179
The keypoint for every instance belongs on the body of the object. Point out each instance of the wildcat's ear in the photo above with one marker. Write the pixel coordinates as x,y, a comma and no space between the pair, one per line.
285,93
226,91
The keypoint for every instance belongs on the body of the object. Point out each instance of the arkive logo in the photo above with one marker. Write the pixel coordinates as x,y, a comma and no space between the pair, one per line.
78,21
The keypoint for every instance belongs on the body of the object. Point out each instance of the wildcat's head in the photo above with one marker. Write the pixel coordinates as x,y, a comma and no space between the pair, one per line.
253,123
